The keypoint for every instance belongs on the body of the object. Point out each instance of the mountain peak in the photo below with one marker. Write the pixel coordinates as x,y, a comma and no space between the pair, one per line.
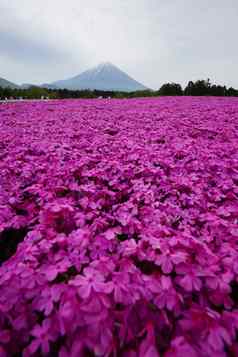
105,76
106,64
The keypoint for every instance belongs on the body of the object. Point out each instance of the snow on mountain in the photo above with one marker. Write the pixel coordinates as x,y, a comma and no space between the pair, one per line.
105,76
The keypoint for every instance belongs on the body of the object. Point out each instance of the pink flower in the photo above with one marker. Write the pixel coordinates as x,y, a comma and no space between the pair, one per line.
205,325
43,335
51,273
217,337
121,283
119,244
167,260
167,297
111,233
89,282
179,347
5,336
3,353
147,347
190,279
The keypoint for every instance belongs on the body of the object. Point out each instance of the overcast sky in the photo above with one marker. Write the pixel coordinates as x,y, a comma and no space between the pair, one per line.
154,41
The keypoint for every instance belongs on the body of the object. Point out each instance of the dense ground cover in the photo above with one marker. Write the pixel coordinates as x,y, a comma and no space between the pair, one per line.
119,228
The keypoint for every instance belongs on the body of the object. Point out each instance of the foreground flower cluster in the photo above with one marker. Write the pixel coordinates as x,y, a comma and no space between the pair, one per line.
119,228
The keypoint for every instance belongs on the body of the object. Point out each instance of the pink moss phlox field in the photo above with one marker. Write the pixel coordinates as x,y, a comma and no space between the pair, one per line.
119,228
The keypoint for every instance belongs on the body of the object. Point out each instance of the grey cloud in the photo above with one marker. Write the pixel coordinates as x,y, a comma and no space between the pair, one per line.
155,41
26,49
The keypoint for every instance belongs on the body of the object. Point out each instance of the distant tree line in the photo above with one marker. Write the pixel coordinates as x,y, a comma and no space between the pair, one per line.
197,88
35,92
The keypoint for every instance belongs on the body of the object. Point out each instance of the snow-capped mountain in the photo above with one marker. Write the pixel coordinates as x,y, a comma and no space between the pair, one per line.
105,76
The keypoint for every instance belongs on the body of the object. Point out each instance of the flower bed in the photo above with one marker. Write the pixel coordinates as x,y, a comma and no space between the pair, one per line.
119,228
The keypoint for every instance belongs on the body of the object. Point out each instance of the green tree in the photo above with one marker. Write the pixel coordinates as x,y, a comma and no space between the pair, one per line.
171,89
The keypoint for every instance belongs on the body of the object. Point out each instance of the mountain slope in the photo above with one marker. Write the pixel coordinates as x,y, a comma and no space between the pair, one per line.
48,86
27,85
6,84
105,76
